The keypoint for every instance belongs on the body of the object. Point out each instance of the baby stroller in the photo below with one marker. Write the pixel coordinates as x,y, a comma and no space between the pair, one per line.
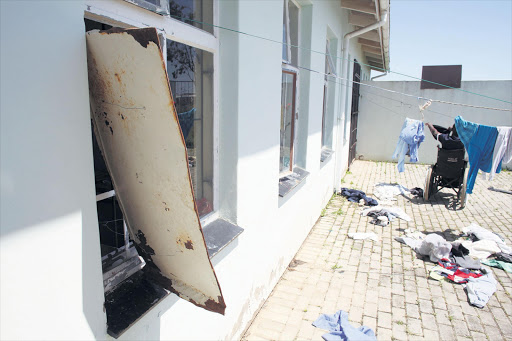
450,171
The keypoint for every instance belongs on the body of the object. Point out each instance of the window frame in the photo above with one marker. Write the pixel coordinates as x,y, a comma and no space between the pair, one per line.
288,68
294,73
125,15
330,69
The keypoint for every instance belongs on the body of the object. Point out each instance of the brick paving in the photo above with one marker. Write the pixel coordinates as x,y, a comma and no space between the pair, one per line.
383,284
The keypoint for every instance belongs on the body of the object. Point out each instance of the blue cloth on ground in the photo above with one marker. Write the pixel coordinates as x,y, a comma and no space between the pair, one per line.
340,328
186,120
354,195
410,139
480,147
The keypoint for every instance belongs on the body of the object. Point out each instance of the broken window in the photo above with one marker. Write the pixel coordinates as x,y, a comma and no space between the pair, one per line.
148,219
198,13
190,72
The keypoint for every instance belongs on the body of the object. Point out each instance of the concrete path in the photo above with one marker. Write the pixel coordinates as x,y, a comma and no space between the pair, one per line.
383,284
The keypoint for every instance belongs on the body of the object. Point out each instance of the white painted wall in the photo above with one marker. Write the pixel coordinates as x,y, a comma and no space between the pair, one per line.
50,253
50,278
383,113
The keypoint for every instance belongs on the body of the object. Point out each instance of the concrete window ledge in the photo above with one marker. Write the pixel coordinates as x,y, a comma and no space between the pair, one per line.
218,234
290,181
326,155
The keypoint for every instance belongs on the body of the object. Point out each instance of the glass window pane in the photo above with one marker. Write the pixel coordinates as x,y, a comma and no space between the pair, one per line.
287,122
294,31
190,73
200,11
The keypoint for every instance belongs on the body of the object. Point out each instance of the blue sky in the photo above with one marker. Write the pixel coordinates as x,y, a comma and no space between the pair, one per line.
474,33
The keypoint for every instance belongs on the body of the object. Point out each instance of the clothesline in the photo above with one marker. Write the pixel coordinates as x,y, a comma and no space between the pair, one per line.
325,54
403,93
306,49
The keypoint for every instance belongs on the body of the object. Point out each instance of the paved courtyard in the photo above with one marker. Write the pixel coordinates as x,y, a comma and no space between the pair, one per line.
383,284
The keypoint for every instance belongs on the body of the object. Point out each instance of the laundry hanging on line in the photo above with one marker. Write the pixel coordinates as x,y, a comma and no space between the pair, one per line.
411,136
487,148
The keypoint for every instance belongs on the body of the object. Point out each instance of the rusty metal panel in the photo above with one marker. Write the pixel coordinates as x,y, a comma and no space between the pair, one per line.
449,75
139,135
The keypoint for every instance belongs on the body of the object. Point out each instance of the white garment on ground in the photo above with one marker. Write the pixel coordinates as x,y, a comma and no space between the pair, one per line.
361,235
387,192
393,211
484,234
412,238
434,246
481,289
481,249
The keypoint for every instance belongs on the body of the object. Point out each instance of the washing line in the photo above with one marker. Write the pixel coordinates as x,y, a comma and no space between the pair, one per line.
323,53
402,93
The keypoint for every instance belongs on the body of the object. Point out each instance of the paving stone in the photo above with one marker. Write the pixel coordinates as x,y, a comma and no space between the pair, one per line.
385,285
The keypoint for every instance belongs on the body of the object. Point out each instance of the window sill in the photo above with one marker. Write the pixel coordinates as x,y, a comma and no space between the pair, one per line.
135,296
289,182
326,155
218,234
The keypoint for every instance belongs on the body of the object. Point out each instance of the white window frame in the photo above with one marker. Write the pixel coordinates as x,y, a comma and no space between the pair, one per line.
288,67
331,71
125,15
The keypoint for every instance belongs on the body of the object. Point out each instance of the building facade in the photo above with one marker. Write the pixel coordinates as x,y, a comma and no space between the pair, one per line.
265,117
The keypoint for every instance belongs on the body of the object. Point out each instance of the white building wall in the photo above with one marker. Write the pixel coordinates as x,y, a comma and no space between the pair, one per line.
51,276
382,114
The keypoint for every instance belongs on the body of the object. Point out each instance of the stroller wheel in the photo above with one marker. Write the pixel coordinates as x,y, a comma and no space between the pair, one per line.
429,183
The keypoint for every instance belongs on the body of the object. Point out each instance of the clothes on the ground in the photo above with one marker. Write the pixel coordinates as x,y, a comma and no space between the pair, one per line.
498,264
354,195
467,262
387,192
411,238
383,215
481,249
456,273
505,257
481,289
409,140
436,273
361,235
417,192
449,142
480,149
340,328
434,246
484,234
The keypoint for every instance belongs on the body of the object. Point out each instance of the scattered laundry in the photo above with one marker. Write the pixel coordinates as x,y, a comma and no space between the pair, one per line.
457,274
484,234
361,235
434,246
411,136
382,215
503,257
481,249
387,192
481,289
340,328
460,255
354,195
498,264
417,192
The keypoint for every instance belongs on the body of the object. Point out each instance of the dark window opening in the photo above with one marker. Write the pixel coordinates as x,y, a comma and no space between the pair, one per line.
198,13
